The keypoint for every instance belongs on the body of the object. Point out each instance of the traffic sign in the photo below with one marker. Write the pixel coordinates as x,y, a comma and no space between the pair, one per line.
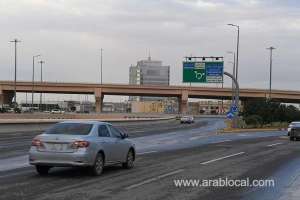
234,108
203,72
230,115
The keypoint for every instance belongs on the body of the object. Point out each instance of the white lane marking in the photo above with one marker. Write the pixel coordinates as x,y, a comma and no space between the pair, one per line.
223,141
271,145
147,152
221,158
196,137
242,135
153,179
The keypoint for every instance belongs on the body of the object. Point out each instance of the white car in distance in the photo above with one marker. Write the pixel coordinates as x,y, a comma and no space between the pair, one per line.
57,111
187,119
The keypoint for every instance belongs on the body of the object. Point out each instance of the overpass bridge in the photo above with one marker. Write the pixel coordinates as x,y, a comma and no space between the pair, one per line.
181,92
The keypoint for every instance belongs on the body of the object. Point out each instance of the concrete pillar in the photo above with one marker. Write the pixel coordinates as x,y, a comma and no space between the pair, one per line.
1,98
183,102
98,100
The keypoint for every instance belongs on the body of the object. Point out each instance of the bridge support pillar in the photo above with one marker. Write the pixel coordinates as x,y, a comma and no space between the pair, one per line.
1,98
6,97
98,100
183,102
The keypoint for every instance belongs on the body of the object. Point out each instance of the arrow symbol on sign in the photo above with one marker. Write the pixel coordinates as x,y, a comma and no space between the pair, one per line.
199,75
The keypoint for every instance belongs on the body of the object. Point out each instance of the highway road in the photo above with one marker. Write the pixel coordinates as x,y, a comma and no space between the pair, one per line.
167,151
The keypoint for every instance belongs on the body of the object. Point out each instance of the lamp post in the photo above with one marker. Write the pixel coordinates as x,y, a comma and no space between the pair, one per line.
233,73
237,49
15,75
271,63
32,92
41,95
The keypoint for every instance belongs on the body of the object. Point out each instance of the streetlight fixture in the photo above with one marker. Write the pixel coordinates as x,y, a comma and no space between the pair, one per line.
32,92
271,62
41,95
15,80
237,49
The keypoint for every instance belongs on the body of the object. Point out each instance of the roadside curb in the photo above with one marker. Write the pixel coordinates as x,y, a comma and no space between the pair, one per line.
251,130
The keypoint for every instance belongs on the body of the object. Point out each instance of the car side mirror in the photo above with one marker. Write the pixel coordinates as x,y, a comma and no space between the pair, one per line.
124,135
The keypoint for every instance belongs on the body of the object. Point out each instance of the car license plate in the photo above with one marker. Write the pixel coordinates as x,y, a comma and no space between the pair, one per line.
57,147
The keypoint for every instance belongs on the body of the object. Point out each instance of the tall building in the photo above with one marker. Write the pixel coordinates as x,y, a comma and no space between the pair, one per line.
149,72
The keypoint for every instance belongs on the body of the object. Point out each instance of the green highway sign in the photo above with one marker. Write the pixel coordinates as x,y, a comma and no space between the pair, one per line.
203,72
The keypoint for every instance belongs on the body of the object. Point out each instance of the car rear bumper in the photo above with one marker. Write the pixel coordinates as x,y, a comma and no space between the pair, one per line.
295,134
80,158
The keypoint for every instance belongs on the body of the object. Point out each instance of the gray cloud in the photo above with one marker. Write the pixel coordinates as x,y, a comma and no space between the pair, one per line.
70,33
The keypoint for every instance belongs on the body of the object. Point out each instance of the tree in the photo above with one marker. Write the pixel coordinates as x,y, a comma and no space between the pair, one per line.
269,111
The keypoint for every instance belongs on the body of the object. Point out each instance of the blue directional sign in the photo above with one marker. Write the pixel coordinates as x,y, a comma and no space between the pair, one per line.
230,115
214,69
234,109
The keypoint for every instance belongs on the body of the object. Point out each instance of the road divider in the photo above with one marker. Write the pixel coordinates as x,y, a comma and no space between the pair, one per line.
49,121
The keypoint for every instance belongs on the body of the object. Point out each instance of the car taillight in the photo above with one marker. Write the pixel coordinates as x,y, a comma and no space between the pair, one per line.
80,144
37,143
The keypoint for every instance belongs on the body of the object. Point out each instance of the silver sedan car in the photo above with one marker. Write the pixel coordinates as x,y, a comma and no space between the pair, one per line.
89,144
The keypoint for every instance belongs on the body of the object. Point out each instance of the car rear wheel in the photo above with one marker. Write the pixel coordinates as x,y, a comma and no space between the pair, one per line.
98,166
129,160
42,170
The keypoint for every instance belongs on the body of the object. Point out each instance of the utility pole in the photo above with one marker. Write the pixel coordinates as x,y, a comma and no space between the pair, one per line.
101,65
271,62
41,95
15,76
32,92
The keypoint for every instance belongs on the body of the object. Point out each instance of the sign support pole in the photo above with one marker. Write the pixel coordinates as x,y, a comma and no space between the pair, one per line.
236,101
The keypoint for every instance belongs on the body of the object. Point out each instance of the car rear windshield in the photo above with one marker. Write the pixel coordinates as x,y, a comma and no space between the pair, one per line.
70,129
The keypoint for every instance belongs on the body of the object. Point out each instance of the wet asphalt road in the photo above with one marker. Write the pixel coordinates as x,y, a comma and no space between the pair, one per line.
181,152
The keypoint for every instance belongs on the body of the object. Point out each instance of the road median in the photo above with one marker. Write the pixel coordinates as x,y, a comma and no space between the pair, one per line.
49,121
240,130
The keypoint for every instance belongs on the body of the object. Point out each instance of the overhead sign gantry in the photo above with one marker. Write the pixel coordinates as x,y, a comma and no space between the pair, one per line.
203,70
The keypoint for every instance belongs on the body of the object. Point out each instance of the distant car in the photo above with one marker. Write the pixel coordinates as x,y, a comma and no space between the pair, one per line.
291,126
295,132
10,110
187,119
89,144
57,111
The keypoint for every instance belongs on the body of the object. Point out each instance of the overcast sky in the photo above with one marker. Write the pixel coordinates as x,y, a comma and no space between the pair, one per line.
70,33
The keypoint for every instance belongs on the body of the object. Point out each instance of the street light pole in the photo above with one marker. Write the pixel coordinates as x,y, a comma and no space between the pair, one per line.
32,92
271,62
15,76
101,66
233,73
237,94
237,50
41,95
